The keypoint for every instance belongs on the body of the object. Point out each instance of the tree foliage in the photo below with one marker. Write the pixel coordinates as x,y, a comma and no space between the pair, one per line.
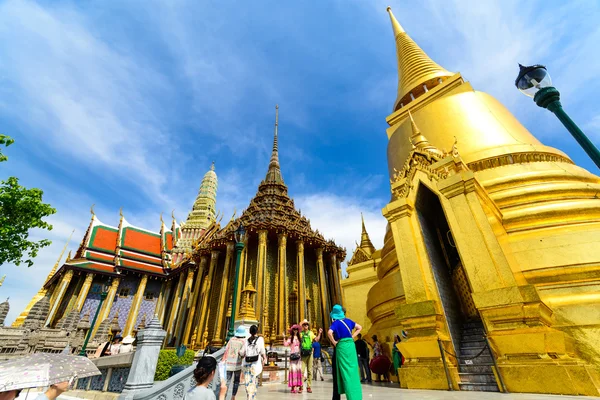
4,141
21,209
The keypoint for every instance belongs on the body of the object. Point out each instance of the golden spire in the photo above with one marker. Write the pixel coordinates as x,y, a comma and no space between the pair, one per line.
419,141
365,240
53,271
274,172
417,73
42,292
2,280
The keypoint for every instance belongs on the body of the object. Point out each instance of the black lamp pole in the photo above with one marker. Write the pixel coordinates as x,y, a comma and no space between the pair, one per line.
239,236
534,81
89,334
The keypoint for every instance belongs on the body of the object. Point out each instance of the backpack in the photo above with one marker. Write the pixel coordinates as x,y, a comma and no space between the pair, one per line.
252,350
306,345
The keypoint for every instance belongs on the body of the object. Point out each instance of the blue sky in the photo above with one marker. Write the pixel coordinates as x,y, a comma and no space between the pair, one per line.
125,104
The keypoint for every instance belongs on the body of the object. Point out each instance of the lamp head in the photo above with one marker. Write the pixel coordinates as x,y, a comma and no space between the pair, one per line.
531,79
240,234
106,286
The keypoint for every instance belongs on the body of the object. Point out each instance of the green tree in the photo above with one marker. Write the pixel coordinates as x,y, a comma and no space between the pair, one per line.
6,141
21,209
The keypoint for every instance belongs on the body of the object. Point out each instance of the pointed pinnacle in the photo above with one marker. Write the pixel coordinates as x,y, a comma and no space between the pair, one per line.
395,24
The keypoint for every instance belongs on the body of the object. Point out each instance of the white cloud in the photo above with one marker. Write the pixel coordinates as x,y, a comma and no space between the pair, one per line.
338,218
82,97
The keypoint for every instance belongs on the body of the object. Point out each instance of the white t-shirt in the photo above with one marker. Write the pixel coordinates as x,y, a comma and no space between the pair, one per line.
200,393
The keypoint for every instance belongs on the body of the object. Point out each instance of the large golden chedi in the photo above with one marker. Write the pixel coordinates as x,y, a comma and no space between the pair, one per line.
499,229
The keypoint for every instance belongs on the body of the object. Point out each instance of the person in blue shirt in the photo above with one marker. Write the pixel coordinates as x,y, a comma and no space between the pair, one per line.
341,335
317,360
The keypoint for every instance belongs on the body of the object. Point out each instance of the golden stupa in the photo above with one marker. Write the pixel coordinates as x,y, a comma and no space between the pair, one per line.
493,238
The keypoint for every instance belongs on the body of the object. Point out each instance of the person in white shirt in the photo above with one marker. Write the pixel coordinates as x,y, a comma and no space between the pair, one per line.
255,356
204,374
127,345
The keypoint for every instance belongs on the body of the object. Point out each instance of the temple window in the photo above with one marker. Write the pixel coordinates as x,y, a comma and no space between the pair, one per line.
124,292
149,296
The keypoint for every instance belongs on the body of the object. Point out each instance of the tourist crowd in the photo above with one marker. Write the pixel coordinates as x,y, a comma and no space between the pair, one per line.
245,356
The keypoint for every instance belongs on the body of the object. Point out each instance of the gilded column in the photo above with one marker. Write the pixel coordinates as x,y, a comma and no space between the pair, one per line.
261,266
335,279
183,306
195,299
301,280
175,307
214,257
322,288
165,294
107,304
134,309
59,294
83,292
338,266
222,304
282,248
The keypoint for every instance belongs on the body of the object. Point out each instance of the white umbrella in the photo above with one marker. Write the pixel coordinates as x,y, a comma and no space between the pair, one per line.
43,369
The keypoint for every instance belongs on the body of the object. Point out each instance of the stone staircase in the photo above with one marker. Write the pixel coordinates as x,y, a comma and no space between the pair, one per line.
475,373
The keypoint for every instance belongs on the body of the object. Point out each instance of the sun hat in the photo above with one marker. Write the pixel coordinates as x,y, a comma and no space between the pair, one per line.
337,312
295,326
240,332
128,339
305,322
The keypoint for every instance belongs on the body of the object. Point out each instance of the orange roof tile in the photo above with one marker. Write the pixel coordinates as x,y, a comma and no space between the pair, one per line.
142,241
103,238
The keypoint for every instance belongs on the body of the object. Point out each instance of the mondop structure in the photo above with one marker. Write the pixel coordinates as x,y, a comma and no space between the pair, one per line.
185,274
498,234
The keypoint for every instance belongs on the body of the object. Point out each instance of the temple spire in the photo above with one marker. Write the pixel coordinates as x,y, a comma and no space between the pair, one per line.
62,253
365,240
274,172
417,73
419,141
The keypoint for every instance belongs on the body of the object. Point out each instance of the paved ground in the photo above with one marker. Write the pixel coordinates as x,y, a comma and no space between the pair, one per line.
375,391
380,391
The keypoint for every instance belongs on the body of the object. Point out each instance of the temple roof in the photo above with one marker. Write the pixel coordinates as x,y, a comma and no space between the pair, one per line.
108,249
272,209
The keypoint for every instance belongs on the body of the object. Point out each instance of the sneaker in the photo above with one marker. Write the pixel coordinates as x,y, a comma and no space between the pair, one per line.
308,390
293,391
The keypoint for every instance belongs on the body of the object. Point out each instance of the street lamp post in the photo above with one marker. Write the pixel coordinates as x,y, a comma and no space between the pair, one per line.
89,334
534,81
240,235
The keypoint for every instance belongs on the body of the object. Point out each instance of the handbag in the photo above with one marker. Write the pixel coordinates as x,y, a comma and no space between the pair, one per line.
295,356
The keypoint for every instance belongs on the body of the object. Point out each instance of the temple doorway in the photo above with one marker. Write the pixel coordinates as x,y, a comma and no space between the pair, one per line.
449,274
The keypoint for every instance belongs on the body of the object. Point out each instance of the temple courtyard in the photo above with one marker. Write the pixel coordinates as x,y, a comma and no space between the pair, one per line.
323,390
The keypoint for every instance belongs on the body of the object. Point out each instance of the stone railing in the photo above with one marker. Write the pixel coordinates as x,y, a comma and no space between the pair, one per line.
114,373
175,387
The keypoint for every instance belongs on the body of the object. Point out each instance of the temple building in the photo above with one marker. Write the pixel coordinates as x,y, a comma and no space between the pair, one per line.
132,262
492,237
185,273
288,271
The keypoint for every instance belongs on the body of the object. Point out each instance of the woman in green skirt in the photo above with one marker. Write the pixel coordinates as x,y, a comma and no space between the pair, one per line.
341,334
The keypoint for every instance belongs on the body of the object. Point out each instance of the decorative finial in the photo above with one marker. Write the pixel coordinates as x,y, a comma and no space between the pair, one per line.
173,214
121,212
455,147
92,210
161,218
276,116
212,166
